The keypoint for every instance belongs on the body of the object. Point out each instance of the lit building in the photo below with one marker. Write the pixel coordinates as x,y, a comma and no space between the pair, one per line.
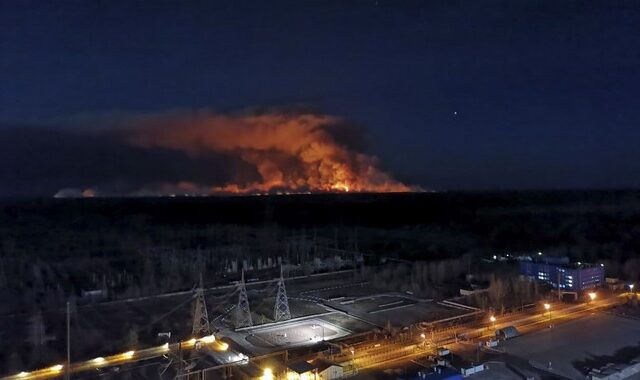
575,277
317,369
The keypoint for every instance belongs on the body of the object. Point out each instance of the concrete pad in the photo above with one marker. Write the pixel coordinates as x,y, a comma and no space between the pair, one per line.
568,345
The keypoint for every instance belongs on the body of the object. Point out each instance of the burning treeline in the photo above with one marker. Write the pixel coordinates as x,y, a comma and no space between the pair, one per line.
290,152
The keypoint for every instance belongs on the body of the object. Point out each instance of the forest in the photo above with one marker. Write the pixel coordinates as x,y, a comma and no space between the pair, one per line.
55,249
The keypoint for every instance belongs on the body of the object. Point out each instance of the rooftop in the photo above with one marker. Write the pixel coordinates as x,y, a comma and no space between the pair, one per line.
316,364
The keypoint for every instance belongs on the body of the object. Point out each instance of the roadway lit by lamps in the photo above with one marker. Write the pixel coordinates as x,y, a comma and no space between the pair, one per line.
101,361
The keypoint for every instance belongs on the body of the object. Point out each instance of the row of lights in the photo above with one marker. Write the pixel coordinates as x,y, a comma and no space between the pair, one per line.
126,356
53,369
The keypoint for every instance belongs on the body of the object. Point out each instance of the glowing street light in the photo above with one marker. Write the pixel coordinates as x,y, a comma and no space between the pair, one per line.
592,296
267,374
56,368
631,287
547,307
98,360
22,374
493,321
128,354
424,339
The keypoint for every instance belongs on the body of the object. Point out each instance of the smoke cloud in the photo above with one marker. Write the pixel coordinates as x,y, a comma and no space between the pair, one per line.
291,152
197,153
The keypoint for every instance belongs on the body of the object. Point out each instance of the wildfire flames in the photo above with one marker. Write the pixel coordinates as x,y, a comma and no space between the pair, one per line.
290,152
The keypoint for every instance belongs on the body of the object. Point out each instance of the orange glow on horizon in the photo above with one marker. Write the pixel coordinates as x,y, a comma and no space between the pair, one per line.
284,153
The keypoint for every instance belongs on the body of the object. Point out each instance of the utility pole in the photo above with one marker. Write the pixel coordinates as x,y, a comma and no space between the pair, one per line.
68,366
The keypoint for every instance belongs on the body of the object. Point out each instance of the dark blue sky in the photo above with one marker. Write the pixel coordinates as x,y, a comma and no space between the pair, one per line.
547,93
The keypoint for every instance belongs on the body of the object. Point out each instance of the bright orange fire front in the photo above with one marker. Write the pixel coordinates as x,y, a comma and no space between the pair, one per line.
289,152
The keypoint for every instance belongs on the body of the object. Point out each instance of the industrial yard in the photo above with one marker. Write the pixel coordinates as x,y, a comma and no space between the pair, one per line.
291,296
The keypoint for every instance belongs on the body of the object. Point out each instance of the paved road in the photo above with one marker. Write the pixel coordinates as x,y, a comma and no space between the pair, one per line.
57,370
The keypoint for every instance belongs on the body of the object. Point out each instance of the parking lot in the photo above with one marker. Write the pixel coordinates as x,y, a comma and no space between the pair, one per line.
573,348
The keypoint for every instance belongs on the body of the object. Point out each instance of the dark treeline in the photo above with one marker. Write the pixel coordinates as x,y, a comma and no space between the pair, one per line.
590,223
51,249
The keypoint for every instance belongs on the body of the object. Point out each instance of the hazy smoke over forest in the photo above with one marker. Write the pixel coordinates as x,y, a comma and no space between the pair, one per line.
289,151
198,153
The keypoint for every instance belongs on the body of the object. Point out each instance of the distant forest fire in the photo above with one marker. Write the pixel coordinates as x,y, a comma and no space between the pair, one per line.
288,152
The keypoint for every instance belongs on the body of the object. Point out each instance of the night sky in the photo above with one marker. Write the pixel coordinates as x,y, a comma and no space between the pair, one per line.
449,94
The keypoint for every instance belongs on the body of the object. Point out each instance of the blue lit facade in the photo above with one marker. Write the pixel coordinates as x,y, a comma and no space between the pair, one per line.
574,278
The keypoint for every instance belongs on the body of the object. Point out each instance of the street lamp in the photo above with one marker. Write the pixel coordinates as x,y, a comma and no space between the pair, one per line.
631,288
493,321
267,374
592,296
547,307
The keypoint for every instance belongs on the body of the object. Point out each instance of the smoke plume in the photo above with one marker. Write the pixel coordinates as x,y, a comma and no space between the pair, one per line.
289,151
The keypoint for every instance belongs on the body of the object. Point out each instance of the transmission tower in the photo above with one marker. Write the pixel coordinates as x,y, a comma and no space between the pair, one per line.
243,313
201,325
281,310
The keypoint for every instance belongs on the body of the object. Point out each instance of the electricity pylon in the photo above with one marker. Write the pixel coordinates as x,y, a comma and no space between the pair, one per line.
281,310
201,325
243,313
